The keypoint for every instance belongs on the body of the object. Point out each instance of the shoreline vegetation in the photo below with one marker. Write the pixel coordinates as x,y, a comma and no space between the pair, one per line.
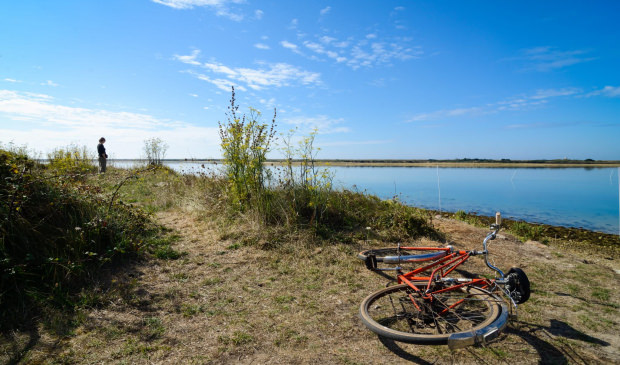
466,162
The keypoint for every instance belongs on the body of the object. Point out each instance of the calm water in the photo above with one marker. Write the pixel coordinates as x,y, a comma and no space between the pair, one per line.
574,197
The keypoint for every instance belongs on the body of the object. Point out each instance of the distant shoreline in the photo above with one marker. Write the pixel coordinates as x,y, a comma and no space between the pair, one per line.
472,163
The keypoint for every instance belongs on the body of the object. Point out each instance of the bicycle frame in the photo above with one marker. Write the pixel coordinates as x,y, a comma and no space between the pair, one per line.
445,265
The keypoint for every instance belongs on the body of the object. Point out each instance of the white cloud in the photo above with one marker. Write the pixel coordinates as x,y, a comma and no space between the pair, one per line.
36,120
326,10
540,97
11,80
288,45
270,75
258,14
190,59
549,58
322,123
364,53
261,46
609,91
293,24
550,93
49,83
193,95
221,7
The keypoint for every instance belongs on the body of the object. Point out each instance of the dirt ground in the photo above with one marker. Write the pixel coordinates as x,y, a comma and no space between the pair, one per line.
224,302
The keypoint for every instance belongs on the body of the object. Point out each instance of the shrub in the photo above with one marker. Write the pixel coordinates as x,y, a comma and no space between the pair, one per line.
155,150
245,143
54,235
72,161
527,231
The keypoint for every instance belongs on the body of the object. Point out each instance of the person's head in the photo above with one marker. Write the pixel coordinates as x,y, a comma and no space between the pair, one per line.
101,140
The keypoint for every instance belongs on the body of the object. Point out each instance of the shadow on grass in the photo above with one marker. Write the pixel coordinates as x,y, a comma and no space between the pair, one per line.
400,352
538,337
116,281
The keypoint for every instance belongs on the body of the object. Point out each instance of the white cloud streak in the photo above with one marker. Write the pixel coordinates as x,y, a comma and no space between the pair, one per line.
609,91
322,123
270,75
540,97
547,58
262,46
221,7
325,10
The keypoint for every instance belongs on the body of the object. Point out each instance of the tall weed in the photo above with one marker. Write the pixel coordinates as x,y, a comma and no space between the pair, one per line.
245,143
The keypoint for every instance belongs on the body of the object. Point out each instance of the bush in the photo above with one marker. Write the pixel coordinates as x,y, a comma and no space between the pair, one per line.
72,161
245,143
527,231
54,235
155,150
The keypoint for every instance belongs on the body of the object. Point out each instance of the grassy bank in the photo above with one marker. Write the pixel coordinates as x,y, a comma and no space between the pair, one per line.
561,237
58,231
233,286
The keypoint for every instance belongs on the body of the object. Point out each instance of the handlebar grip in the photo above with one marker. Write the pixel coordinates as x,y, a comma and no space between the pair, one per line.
498,218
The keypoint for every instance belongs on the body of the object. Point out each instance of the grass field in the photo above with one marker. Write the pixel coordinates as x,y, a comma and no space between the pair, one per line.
222,289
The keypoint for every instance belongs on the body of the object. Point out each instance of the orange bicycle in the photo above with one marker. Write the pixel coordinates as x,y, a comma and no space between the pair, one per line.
429,307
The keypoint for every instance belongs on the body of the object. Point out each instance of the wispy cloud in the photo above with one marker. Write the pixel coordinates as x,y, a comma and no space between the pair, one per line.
41,109
49,83
221,7
538,125
258,14
516,103
547,58
44,123
367,52
11,80
268,75
325,10
261,46
609,91
288,45
322,123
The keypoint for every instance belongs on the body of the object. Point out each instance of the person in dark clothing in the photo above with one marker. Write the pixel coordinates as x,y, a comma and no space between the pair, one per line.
103,157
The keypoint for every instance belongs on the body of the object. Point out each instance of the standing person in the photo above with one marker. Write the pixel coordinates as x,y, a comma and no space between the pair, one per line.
103,157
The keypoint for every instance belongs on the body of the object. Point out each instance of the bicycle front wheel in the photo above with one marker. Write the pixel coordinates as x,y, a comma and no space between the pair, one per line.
401,314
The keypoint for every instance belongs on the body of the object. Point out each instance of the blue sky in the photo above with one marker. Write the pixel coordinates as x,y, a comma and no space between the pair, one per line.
380,79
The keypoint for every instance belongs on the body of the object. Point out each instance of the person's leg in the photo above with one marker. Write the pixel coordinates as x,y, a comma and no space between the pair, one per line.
102,163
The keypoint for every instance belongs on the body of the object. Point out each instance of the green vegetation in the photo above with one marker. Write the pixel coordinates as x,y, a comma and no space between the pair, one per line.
73,161
57,231
299,197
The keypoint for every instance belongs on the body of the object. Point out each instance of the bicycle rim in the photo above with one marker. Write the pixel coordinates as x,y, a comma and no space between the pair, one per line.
380,253
391,313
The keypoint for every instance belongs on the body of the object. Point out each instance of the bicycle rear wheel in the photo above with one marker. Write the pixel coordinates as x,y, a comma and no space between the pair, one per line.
391,313
380,253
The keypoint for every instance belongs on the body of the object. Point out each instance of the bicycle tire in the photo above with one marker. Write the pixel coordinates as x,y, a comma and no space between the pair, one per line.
380,253
479,309
518,285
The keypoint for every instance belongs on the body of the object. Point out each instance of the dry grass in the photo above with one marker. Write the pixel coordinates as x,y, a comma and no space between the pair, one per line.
237,298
